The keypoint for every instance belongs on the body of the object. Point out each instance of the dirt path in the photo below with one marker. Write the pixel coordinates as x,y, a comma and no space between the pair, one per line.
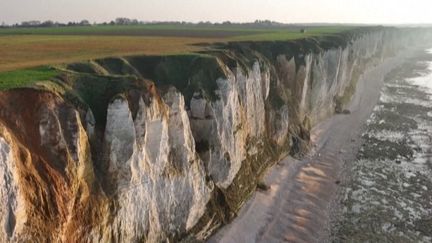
297,208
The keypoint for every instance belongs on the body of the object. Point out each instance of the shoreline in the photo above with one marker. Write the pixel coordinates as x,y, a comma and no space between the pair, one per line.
381,166
302,199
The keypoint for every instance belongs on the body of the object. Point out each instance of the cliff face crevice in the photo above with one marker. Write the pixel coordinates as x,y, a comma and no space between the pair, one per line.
161,188
48,166
154,148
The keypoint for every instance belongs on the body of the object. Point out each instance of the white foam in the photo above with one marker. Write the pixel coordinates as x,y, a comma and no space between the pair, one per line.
424,81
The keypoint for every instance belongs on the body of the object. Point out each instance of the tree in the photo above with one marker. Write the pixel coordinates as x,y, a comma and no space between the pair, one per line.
84,22
122,21
32,23
48,23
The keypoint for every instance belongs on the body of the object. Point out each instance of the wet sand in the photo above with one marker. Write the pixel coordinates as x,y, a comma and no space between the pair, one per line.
299,204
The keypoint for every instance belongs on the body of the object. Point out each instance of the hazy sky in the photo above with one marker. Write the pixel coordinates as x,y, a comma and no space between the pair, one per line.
288,11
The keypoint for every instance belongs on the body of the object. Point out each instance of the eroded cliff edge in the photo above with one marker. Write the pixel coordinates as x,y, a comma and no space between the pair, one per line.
154,148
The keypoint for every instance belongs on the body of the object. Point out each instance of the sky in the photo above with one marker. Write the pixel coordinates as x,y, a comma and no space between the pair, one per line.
286,11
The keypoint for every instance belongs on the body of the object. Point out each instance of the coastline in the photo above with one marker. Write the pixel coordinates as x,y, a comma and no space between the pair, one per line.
370,204
302,197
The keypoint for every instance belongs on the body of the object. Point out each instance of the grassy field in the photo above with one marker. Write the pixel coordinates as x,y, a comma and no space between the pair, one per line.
168,30
25,77
24,48
136,30
22,51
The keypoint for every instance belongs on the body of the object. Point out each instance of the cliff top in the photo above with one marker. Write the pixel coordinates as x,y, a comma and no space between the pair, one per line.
26,52
31,47
95,82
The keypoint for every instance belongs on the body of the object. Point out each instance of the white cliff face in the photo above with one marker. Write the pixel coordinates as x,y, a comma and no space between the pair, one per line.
325,83
162,191
12,213
236,118
305,84
329,73
239,116
120,137
280,126
252,99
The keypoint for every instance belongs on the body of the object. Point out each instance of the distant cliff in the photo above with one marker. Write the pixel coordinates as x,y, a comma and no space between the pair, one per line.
149,148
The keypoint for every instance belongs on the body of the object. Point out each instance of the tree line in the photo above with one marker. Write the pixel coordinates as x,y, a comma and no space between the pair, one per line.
127,21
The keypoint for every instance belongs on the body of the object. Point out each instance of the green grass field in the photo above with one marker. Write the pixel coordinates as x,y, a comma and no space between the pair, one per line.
25,77
24,51
232,32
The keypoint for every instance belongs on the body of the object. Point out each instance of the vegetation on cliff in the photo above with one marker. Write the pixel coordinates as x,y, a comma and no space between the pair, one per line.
26,77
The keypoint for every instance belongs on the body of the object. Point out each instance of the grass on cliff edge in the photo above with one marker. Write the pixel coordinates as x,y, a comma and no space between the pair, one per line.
26,77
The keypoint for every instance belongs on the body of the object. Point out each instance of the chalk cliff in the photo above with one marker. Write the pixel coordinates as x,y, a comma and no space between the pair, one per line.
154,148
